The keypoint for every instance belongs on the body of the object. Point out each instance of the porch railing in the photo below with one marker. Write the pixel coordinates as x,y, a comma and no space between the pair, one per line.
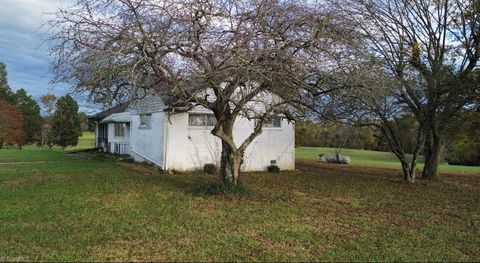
119,148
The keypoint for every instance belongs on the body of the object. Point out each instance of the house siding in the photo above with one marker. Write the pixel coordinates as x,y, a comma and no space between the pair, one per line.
171,143
147,144
189,148
192,147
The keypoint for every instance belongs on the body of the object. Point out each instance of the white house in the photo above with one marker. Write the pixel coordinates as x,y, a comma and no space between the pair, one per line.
182,141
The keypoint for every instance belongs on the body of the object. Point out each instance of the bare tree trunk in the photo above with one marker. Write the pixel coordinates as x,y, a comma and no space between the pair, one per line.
230,164
413,167
409,169
237,164
408,176
226,164
433,154
413,163
411,178
396,146
231,157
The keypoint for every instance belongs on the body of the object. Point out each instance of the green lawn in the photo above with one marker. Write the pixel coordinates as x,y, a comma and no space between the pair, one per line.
84,210
86,141
32,155
377,159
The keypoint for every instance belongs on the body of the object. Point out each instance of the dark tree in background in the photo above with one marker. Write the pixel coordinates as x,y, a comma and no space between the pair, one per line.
84,125
463,147
6,93
65,122
32,120
11,131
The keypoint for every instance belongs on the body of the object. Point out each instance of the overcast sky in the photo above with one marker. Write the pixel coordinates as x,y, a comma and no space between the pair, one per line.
22,48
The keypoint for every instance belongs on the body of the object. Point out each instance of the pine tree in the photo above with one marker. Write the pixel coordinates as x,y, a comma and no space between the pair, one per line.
66,123
32,120
6,93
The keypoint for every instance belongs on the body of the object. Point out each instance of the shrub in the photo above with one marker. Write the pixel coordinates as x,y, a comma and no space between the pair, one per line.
209,168
175,171
128,159
273,168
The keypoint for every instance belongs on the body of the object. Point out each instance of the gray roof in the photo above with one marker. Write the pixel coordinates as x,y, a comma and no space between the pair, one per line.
116,109
118,117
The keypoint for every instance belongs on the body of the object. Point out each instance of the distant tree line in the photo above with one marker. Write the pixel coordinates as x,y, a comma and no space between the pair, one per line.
313,134
462,148
22,123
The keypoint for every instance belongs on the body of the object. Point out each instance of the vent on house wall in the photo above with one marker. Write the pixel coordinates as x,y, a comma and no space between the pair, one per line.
272,162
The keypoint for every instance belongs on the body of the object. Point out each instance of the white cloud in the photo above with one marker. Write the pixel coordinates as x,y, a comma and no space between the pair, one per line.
28,60
24,51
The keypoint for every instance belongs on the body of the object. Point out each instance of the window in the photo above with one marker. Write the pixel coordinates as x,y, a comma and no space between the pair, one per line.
146,121
274,123
201,119
120,129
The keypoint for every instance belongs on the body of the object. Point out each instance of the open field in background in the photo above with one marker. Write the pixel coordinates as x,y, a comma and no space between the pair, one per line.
86,141
83,210
377,159
32,153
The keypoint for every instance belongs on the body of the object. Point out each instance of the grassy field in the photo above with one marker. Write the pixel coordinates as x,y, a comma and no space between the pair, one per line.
75,209
32,155
86,141
377,159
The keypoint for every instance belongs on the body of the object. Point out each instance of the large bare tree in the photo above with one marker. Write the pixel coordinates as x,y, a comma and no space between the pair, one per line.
431,49
254,59
370,99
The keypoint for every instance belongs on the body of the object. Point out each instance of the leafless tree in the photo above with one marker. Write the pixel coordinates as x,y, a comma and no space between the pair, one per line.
369,99
254,59
431,49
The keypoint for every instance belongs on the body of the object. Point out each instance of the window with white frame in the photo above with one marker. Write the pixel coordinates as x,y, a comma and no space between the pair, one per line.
276,122
120,129
201,119
145,121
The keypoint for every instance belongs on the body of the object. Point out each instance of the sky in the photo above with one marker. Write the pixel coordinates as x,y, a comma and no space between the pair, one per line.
23,47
